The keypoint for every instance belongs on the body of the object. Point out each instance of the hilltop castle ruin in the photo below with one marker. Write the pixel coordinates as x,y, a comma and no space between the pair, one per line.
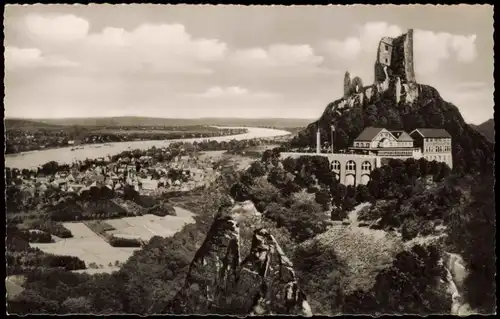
394,71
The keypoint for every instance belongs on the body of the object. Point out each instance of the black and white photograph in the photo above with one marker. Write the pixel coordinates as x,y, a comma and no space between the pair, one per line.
258,160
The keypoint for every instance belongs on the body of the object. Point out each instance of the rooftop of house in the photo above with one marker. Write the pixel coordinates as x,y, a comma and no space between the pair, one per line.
402,136
432,132
369,133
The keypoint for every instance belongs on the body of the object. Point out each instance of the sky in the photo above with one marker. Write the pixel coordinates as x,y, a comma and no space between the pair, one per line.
188,61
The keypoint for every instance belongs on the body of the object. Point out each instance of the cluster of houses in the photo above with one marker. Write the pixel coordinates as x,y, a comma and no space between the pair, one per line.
147,177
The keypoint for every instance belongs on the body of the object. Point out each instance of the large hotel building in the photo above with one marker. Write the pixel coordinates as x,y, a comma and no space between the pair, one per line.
375,144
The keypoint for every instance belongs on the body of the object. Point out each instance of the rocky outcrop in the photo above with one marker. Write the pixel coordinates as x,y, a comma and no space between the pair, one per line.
220,282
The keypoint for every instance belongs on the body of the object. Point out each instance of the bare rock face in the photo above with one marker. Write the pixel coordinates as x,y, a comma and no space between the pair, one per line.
220,282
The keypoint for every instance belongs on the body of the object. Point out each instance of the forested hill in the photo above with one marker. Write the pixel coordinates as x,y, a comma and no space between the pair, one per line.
471,150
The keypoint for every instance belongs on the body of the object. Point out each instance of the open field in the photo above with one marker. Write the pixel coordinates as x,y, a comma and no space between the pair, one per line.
147,226
87,246
92,248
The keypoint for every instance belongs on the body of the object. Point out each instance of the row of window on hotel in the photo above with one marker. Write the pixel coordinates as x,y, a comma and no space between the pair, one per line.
351,166
448,140
438,158
401,144
437,149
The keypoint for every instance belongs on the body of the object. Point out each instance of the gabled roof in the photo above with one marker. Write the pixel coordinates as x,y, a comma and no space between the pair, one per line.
432,132
402,136
369,133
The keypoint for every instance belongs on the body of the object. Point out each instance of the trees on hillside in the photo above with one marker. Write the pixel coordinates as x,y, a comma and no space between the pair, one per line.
471,150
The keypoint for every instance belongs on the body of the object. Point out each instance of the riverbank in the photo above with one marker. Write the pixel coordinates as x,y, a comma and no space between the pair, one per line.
67,156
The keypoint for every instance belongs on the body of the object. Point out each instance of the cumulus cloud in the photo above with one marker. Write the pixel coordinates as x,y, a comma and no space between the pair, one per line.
217,92
57,28
149,48
32,58
277,56
430,48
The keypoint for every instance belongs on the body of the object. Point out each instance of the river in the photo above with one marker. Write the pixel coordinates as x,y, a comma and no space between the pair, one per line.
65,155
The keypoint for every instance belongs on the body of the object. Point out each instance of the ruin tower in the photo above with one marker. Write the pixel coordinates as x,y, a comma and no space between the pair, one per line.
397,55
347,84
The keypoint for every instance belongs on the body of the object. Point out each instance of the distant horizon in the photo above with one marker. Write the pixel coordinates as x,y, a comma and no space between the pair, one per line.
312,119
161,117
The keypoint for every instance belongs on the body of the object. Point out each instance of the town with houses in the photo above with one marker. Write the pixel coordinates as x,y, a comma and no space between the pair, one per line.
146,175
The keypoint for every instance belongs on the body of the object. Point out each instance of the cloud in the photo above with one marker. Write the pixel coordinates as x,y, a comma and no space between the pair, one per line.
346,49
57,28
430,48
277,56
149,48
217,92
32,58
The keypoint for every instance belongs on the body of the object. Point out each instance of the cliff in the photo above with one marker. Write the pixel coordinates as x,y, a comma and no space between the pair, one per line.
219,281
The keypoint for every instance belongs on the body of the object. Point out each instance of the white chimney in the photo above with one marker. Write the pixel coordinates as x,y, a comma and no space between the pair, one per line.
318,142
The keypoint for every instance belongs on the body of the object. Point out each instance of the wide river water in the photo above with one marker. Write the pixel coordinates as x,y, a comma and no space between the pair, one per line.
91,151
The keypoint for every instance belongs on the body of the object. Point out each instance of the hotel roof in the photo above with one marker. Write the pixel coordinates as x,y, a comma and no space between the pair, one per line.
369,133
402,136
432,132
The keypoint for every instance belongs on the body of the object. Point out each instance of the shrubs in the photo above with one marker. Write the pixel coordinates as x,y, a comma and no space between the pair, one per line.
162,209
124,242
68,263
39,237
53,228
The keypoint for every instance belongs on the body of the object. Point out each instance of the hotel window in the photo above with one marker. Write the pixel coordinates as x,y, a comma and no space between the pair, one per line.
350,165
386,61
366,166
336,165
386,48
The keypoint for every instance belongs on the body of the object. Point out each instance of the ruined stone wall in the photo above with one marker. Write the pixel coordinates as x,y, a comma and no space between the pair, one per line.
347,84
397,72
408,53
397,55
397,67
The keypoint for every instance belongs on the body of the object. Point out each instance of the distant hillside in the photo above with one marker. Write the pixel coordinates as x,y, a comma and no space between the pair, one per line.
21,123
487,129
149,121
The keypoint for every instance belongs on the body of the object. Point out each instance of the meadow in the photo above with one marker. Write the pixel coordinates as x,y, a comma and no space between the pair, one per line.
96,252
